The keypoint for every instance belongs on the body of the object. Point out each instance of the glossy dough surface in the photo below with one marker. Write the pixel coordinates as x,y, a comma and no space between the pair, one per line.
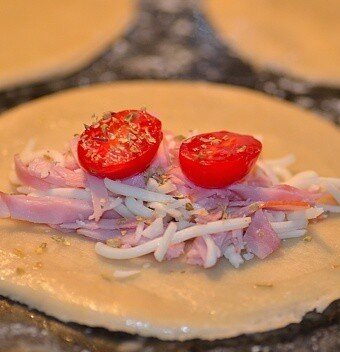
42,39
300,38
172,300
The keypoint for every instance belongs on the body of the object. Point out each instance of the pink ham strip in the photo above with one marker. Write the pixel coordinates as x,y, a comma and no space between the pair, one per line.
136,181
213,216
60,229
111,214
70,162
258,178
197,251
174,251
99,234
222,240
42,174
130,239
260,238
56,175
74,149
277,193
104,224
162,157
246,211
240,203
46,210
274,215
99,194
211,203
237,240
4,211
26,178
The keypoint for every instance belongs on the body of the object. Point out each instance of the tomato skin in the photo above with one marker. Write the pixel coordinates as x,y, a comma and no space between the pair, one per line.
217,159
120,145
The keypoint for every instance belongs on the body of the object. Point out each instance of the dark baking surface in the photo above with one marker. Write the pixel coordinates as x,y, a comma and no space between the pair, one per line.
171,39
25,330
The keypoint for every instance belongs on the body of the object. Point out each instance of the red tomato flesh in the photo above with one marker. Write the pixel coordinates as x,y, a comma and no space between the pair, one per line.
121,144
217,159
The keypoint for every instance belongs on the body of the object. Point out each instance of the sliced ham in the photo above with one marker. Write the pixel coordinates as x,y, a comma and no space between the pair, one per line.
223,240
213,202
174,251
44,174
70,162
46,210
104,224
237,240
99,194
213,216
246,210
215,223
136,181
26,178
4,211
162,159
276,193
74,149
260,238
56,174
99,234
197,252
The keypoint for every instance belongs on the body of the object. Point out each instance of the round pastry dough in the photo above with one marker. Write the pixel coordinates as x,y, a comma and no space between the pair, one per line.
300,38
172,300
42,39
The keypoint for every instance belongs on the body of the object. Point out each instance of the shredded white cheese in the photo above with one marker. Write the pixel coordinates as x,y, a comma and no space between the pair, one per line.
180,236
137,208
122,274
333,190
234,257
292,234
330,208
155,229
304,179
123,211
213,252
290,225
139,193
165,209
266,168
310,213
165,241
283,162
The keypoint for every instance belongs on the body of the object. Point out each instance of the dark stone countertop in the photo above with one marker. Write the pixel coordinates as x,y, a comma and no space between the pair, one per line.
171,39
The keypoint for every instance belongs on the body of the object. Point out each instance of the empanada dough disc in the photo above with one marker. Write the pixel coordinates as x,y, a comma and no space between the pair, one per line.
43,39
172,300
300,38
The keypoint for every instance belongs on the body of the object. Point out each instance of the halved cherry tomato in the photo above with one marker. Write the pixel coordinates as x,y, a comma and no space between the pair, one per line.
121,144
217,159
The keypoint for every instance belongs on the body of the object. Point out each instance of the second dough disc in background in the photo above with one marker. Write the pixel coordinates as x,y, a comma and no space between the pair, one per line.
43,39
299,38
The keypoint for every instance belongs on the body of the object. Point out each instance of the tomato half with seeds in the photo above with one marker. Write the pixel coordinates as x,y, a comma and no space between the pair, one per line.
217,159
121,144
